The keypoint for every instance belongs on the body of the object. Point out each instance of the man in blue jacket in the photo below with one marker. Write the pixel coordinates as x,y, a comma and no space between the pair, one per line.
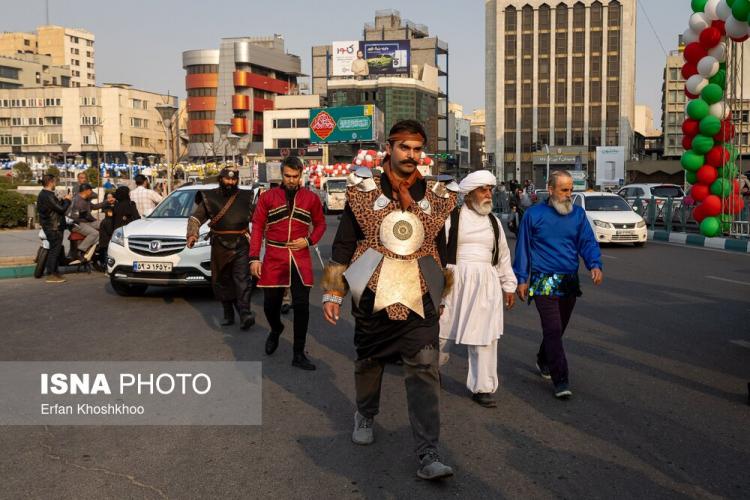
550,238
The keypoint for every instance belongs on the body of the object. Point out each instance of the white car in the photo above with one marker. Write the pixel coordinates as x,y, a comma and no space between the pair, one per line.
612,218
152,251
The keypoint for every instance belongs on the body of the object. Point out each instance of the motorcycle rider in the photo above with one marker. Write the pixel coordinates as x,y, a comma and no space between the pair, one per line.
87,224
52,219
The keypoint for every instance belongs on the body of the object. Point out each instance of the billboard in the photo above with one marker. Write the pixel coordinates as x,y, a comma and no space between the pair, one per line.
387,56
610,165
343,54
346,124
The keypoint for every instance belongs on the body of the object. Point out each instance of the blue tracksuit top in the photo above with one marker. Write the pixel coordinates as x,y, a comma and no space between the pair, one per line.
551,243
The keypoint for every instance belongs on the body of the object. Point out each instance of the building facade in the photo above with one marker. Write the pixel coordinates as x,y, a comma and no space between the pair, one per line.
421,93
71,47
558,73
99,123
32,70
477,147
235,84
673,104
459,137
286,129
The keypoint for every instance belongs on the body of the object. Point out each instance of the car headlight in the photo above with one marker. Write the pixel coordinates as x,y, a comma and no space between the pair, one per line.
118,237
203,241
640,223
600,223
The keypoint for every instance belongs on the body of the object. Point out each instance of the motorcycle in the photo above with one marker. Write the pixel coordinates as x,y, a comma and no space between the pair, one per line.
71,259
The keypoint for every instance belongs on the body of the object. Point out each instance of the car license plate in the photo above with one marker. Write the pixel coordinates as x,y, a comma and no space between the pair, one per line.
159,267
626,233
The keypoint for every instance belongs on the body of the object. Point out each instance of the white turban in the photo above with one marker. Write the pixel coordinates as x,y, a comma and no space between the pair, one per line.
477,179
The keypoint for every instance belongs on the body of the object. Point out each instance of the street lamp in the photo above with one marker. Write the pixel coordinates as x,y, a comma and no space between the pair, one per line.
223,129
167,112
233,140
129,155
65,146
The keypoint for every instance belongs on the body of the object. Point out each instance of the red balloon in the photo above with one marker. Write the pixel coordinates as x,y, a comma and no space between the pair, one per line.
694,52
699,192
710,38
717,156
711,206
741,39
733,204
727,131
687,142
706,175
719,25
690,95
698,214
736,186
691,127
688,70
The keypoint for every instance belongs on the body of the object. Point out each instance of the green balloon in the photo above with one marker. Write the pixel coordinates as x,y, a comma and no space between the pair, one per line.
712,93
698,5
710,226
697,109
730,2
740,10
728,171
702,144
723,66
720,79
710,126
721,187
692,161
691,177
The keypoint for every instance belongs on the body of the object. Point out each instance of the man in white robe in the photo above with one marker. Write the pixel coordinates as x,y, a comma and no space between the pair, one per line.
484,284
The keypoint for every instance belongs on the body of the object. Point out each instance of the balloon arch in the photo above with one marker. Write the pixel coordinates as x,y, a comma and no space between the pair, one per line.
710,154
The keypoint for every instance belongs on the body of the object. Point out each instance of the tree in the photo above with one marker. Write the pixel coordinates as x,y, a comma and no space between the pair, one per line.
22,171
53,170
92,175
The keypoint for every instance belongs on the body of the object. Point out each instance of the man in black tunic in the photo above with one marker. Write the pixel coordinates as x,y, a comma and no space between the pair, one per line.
229,210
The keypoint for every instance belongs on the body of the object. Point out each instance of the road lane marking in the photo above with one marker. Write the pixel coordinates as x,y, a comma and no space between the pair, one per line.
741,343
609,256
728,280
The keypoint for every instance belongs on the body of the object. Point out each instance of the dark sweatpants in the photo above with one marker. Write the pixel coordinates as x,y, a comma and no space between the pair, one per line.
55,239
274,297
555,314
232,285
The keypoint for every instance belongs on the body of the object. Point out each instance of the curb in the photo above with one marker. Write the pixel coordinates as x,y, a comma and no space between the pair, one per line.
25,271
700,241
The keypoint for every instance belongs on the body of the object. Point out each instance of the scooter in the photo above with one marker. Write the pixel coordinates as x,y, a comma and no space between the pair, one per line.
71,259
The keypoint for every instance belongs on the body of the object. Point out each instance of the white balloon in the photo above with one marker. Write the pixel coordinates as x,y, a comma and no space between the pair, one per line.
735,28
708,66
723,10
719,52
695,84
720,110
358,161
699,22
689,36
368,157
710,10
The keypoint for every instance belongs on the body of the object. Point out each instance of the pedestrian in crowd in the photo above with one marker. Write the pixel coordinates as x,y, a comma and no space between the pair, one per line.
105,231
52,219
530,187
120,213
551,237
81,212
290,219
389,245
145,198
484,283
228,210
524,200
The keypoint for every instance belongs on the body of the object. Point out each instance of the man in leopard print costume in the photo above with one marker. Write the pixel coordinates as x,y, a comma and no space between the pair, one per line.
389,250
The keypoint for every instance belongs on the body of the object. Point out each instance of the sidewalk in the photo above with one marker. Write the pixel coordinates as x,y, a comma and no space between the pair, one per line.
18,249
700,241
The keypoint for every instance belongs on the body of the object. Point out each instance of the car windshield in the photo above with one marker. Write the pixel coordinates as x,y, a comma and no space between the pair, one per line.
606,204
178,204
336,186
667,191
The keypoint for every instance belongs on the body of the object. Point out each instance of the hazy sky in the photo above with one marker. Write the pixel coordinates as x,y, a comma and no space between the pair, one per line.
141,42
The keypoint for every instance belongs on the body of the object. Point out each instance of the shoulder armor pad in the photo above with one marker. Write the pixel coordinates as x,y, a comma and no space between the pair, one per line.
452,186
361,179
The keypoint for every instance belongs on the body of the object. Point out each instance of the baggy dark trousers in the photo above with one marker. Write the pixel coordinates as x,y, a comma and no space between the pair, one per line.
232,285
274,297
422,393
555,314
55,239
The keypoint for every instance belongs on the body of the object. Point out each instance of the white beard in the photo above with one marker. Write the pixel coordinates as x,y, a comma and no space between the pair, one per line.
484,208
562,207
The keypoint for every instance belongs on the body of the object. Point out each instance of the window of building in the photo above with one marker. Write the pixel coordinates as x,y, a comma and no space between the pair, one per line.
138,122
201,115
543,68
53,120
527,70
561,91
17,121
595,42
577,118
282,143
202,68
207,92
579,66
595,116
527,118
578,92
282,123
4,122
543,95
9,73
595,90
613,90
674,74
544,43
561,118
613,66
579,16
595,69
527,44
527,18
613,115
510,142
613,16
613,41
595,15
595,137
561,43
510,69
542,117
544,17
579,42
139,142
561,17
561,67
510,93
510,18
510,118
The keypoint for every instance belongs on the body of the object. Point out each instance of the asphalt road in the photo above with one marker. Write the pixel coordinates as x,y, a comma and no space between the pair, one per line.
659,358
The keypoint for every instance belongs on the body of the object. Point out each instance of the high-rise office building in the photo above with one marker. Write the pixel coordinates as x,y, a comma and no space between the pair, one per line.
560,73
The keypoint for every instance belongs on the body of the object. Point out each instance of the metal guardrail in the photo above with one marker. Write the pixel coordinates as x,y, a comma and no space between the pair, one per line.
673,215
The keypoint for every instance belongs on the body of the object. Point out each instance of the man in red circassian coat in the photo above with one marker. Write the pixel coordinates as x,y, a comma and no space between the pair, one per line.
283,218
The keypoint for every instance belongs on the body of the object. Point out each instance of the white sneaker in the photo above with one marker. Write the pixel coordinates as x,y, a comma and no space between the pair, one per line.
362,433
